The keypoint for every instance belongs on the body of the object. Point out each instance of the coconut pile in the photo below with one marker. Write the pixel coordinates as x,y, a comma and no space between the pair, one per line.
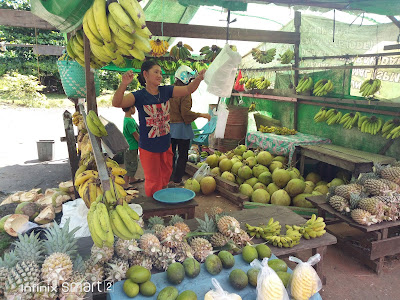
265,178
35,206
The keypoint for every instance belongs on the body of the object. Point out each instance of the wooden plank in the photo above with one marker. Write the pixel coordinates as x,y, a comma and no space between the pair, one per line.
344,155
328,4
394,20
225,184
376,158
391,47
320,202
90,87
348,56
219,33
22,18
297,24
48,50
269,97
236,198
384,247
71,145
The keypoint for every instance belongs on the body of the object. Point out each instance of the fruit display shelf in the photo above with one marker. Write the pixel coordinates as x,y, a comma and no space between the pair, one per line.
200,284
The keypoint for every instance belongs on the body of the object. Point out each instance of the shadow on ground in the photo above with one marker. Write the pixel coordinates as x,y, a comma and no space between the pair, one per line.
33,174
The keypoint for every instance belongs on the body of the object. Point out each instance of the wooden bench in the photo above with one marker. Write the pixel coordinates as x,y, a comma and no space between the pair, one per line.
355,161
376,244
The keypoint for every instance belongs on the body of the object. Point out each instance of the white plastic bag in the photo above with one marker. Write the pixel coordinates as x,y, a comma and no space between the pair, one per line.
269,285
305,281
219,294
202,172
222,118
220,76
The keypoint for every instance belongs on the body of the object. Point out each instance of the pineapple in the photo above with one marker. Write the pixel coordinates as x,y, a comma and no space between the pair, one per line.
155,220
149,243
365,176
339,203
215,210
182,252
392,174
75,287
79,264
164,258
6,263
304,283
175,219
94,272
373,205
206,226
141,259
219,240
126,249
29,248
376,187
44,292
57,269
183,227
346,190
363,217
22,280
157,229
171,236
102,255
392,185
355,198
115,269
228,226
201,248
242,238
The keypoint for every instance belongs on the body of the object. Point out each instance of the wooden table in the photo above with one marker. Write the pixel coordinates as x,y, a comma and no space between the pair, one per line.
376,250
152,208
285,217
352,160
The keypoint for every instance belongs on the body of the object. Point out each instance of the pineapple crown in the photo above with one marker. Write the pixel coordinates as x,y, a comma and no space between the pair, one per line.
206,225
155,220
29,247
175,219
9,260
79,264
61,240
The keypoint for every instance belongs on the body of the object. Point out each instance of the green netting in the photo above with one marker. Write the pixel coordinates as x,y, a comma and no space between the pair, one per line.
231,5
341,80
169,11
64,15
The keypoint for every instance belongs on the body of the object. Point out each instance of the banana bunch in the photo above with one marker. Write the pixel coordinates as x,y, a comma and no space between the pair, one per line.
250,84
210,53
180,51
63,57
262,83
305,84
168,65
204,154
371,125
252,107
285,241
263,57
100,224
369,87
77,120
349,119
137,64
320,116
315,227
277,130
94,124
123,221
114,30
391,129
199,66
87,184
322,87
263,231
286,57
243,80
158,47
333,116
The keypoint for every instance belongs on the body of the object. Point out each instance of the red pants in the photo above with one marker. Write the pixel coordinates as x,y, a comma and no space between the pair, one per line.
157,169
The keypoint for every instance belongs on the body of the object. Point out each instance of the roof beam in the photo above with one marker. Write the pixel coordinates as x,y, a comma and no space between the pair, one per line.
394,20
219,33
19,18
331,5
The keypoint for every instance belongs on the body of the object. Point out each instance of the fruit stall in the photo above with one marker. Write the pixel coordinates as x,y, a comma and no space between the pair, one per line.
149,250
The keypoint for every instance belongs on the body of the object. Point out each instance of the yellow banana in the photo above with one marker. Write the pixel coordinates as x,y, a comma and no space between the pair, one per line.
84,176
100,17
118,171
117,232
103,216
120,225
133,214
142,43
92,127
129,223
119,180
109,197
80,170
96,239
120,190
137,53
139,230
97,227
118,31
135,11
120,16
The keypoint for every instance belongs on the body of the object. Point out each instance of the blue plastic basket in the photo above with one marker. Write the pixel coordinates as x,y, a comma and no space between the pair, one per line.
174,195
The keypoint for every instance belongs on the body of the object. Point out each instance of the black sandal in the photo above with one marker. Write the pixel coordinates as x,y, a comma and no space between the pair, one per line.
137,181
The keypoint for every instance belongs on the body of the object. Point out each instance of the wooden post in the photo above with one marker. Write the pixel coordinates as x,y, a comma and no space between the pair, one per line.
90,88
297,24
71,144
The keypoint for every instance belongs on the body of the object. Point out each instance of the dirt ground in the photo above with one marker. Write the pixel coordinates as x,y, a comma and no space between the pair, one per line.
347,278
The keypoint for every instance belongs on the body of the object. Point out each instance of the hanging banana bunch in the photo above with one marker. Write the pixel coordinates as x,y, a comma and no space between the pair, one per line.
286,57
263,57
158,47
210,53
180,51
